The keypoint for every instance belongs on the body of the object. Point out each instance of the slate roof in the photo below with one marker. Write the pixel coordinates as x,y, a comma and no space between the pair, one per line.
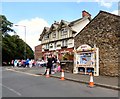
45,30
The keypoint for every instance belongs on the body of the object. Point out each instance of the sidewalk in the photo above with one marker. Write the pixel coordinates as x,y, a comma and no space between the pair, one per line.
103,81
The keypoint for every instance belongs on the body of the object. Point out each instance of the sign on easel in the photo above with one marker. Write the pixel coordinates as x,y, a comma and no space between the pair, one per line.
86,60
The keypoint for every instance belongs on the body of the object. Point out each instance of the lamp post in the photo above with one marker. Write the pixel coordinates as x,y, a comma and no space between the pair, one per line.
25,40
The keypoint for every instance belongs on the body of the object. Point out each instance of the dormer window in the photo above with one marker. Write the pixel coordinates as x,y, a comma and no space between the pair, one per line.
64,31
46,36
54,35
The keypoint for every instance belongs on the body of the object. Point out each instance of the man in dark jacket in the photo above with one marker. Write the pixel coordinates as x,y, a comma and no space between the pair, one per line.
49,64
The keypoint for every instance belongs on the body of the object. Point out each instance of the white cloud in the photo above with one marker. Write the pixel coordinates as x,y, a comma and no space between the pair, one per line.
105,3
34,28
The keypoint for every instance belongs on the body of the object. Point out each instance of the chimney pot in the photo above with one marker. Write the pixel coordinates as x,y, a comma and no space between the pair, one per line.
85,13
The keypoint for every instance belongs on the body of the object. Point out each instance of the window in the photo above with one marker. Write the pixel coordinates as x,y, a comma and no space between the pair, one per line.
47,46
63,31
46,36
51,46
64,43
58,45
55,45
54,35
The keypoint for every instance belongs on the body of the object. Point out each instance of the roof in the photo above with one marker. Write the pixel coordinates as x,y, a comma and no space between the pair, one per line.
109,13
54,26
45,30
80,19
100,13
66,23
57,25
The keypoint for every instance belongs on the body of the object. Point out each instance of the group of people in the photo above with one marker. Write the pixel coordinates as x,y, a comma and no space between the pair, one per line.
53,64
23,63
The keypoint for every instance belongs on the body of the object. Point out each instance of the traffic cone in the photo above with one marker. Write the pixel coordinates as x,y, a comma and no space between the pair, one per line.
47,74
91,83
62,75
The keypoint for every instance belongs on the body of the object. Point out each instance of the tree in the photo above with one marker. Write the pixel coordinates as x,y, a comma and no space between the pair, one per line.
12,46
5,25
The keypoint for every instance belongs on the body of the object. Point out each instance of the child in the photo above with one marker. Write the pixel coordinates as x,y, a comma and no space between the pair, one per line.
58,67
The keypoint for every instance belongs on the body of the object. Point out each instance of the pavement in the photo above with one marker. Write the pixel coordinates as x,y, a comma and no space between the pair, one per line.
102,81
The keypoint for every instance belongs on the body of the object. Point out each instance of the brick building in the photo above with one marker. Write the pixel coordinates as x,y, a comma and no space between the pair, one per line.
59,38
38,52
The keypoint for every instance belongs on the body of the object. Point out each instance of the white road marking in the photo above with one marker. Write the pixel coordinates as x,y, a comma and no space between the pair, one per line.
11,89
23,72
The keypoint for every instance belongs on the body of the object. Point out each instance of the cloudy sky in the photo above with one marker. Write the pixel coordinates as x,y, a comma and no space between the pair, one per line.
36,15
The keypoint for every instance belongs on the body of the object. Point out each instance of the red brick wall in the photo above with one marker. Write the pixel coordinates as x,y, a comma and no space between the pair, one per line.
84,13
38,52
60,55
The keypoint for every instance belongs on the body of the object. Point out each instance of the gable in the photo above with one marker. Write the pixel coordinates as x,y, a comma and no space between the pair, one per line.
100,25
45,30
63,24
104,32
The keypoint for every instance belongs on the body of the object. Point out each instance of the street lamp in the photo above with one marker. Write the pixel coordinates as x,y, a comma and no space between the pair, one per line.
25,40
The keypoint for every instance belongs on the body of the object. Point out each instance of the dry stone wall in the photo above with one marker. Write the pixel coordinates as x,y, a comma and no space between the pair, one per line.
104,31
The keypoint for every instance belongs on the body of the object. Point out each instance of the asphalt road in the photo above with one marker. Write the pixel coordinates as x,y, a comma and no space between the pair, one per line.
15,84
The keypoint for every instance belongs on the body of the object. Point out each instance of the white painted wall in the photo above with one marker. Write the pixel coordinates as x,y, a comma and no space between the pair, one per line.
77,27
70,43
80,25
59,42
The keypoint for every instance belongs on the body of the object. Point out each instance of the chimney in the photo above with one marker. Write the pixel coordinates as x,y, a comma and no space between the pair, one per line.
85,13
54,21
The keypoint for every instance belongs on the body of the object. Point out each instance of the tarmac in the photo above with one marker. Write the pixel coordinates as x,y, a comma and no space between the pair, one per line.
102,81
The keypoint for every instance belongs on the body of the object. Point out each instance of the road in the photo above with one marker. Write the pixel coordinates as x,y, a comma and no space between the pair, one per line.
15,84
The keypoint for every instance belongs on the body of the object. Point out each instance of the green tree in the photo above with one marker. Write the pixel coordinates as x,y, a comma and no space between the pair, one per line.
5,25
12,46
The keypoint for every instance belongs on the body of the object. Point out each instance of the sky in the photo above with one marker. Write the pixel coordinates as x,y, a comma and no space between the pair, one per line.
37,15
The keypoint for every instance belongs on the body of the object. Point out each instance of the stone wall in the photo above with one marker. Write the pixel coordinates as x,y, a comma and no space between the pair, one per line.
104,31
67,66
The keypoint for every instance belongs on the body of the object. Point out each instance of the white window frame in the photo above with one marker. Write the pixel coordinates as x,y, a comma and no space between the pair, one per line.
65,43
46,36
64,31
54,34
47,46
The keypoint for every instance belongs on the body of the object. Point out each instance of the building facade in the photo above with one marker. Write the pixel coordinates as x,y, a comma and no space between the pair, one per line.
104,32
38,52
59,38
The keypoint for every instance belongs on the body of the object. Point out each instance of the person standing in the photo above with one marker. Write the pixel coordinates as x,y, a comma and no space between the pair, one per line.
15,63
27,63
49,64
54,63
